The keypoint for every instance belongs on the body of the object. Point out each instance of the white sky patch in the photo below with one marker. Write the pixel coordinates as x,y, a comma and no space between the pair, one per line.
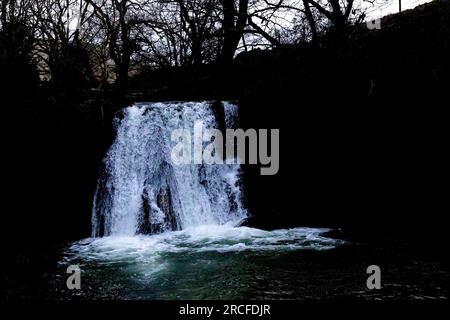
382,8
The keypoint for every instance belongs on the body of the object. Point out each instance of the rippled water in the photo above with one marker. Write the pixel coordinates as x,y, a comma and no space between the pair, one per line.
196,263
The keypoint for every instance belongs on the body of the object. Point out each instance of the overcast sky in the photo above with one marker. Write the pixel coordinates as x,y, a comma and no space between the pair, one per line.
381,9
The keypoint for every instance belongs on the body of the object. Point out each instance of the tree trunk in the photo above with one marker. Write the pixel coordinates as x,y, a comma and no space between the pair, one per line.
125,52
232,32
227,31
311,22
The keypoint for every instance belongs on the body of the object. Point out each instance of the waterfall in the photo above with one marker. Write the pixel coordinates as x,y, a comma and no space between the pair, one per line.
141,190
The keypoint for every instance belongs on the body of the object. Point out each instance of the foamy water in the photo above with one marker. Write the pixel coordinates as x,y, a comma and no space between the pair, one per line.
195,263
218,238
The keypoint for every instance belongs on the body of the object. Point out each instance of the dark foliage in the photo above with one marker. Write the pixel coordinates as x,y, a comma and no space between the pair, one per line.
18,76
71,68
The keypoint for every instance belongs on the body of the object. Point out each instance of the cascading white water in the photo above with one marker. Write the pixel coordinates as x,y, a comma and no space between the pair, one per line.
141,190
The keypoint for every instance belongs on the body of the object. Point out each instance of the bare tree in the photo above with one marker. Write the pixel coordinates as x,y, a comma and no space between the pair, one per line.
335,11
258,19
119,20
122,36
60,48
234,22
12,11
17,72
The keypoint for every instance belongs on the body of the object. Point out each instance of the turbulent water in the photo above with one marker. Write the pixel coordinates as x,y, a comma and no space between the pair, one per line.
214,238
204,262
141,190
161,230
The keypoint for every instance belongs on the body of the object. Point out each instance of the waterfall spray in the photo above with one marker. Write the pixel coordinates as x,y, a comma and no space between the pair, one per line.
141,190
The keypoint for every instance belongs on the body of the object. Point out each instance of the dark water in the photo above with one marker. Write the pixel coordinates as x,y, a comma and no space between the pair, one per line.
241,265
251,265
